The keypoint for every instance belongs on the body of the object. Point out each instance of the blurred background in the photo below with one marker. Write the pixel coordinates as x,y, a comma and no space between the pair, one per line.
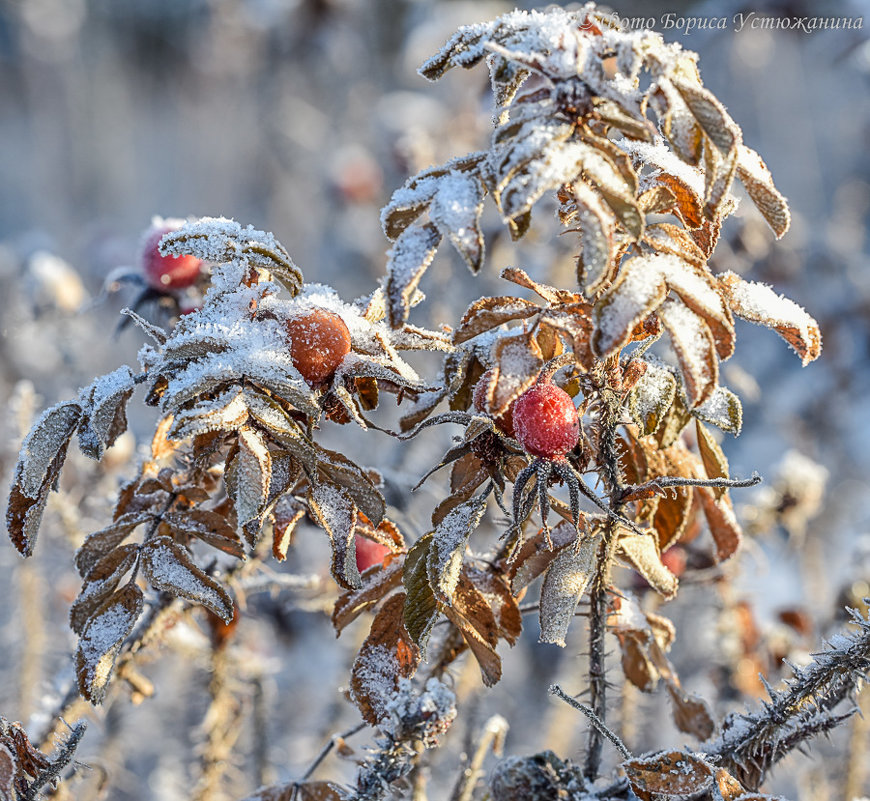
300,117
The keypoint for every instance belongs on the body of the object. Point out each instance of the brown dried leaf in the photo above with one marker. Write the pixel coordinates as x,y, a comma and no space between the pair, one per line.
8,774
456,209
248,475
518,361
288,512
642,553
652,396
693,343
488,313
337,469
101,581
208,526
169,567
535,555
102,542
596,262
714,460
474,618
421,608
689,207
691,712
376,582
336,513
550,294
723,524
671,774
760,304
504,606
753,172
101,641
387,655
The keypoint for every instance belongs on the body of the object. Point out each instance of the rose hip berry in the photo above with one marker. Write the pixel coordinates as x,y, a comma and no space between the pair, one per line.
369,552
319,340
505,421
546,421
167,272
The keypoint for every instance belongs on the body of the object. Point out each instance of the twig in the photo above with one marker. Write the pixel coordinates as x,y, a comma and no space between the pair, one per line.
597,723
63,757
665,482
493,734
328,747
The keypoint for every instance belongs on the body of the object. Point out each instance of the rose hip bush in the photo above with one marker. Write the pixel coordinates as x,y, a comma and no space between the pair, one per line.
593,403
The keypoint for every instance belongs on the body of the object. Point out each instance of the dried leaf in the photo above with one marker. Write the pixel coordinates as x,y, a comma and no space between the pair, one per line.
340,471
208,526
101,641
753,172
449,541
101,581
421,608
474,618
409,257
671,774
104,418
169,567
596,263
722,409
488,313
567,579
249,474
641,552
387,655
505,609
376,582
723,524
102,542
455,210
652,396
535,555
695,348
714,460
760,304
691,713
288,512
336,514
518,361
8,774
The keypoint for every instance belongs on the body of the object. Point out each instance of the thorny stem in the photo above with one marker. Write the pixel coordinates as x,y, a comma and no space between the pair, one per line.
324,752
610,472
666,482
58,763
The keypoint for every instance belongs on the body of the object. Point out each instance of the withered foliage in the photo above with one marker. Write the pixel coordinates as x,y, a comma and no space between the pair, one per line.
641,160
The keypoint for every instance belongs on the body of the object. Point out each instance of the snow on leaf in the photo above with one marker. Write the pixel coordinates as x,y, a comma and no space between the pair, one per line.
377,581
641,552
651,398
757,180
455,210
101,641
227,412
722,409
535,554
567,578
46,441
337,469
449,540
490,312
716,123
105,418
408,259
208,526
169,568
387,655
518,362
693,343
101,581
249,476
595,261
335,512
639,290
674,774
102,542
760,304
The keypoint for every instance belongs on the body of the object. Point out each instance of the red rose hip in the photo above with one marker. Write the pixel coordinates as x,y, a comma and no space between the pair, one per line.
369,552
319,340
546,421
167,272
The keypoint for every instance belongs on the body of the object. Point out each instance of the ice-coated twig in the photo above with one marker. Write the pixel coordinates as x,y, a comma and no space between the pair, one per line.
58,762
599,724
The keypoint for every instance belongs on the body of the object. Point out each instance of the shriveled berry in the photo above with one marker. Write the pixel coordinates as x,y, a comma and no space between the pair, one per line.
319,340
369,552
546,421
505,421
164,273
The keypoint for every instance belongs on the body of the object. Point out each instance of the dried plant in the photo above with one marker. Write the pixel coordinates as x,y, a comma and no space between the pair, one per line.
574,388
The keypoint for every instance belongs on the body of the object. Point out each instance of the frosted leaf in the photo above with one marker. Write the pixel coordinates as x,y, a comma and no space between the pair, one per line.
567,578
223,241
518,362
667,163
100,643
714,460
106,540
386,656
169,568
759,303
595,262
695,348
488,313
651,398
102,580
43,444
675,774
641,552
104,404
155,332
335,512
249,475
376,583
722,409
8,773
473,616
535,554
336,469
455,210
408,259
722,522
210,527
449,541
421,609
227,412
550,294
638,291
757,180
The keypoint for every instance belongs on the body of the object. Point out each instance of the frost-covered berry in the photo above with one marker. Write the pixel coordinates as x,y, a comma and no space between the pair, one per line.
167,272
504,422
319,340
369,552
546,421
